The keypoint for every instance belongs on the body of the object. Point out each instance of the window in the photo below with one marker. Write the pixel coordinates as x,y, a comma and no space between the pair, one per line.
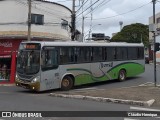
49,58
97,54
124,53
82,54
37,19
121,53
71,54
104,53
64,24
158,20
141,53
111,53
132,53
63,55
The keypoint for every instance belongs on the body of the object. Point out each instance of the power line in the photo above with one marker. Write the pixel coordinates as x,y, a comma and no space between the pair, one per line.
82,6
123,13
98,6
87,8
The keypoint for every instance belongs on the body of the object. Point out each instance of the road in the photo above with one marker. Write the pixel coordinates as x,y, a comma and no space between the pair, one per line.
14,98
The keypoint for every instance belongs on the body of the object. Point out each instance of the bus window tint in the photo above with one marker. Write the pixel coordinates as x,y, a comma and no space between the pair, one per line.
111,53
63,55
66,55
97,54
121,53
80,54
124,53
141,53
132,53
71,54
49,58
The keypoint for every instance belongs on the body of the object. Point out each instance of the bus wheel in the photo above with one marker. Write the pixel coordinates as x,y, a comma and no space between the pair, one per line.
122,75
67,83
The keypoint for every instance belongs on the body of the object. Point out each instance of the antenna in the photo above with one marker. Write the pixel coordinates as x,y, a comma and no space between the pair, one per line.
120,23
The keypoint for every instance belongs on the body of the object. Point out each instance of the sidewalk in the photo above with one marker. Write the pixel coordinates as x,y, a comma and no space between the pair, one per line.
145,95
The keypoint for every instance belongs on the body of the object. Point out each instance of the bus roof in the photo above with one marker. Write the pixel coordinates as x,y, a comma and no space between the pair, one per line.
75,43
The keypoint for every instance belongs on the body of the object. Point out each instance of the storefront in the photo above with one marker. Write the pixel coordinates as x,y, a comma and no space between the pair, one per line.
8,51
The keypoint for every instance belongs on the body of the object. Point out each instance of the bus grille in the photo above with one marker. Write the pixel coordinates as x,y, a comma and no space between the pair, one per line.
25,77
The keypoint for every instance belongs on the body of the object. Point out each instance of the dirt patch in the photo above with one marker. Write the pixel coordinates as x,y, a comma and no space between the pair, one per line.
139,93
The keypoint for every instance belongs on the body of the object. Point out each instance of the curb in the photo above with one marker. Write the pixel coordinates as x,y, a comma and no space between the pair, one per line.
7,84
102,99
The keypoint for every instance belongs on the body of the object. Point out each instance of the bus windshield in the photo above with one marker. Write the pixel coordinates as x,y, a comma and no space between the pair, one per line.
28,61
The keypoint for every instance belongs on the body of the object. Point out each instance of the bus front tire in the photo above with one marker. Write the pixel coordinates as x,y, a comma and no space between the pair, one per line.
67,83
122,75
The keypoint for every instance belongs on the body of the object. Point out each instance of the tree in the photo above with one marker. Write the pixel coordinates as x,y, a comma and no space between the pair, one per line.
134,33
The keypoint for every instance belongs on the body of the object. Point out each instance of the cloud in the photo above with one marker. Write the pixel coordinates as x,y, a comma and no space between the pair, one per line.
114,10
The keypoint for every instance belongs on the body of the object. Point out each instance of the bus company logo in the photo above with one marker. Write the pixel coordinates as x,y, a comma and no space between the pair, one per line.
103,65
6,114
6,44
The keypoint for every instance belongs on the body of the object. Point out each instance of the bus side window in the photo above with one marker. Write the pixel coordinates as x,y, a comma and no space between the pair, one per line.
49,59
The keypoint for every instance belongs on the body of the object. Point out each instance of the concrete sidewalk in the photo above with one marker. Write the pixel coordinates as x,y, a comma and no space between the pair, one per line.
144,95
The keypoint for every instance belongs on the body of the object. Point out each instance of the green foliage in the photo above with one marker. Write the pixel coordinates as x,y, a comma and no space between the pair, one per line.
133,33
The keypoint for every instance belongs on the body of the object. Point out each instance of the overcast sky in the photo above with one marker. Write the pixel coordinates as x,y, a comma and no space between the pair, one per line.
111,12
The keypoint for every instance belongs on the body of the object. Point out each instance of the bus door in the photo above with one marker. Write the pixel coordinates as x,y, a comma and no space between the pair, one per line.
50,70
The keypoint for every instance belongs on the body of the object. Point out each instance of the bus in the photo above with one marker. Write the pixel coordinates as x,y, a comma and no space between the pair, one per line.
50,65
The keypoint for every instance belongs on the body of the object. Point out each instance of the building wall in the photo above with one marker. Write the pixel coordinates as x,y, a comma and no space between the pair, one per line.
157,22
157,33
14,17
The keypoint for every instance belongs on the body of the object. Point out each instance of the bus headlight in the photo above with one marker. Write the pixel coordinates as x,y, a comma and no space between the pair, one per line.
36,79
16,77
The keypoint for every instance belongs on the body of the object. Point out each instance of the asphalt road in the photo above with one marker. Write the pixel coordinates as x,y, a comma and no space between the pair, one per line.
14,98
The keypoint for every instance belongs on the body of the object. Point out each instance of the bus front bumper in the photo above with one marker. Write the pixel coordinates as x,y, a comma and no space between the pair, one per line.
28,85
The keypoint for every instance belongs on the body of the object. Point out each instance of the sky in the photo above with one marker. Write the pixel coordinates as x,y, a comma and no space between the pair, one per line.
107,14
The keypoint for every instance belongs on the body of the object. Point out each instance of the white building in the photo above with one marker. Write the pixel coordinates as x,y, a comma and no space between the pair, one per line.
157,23
157,33
52,20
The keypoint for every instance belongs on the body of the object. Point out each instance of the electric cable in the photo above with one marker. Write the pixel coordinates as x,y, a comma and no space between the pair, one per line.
87,8
124,12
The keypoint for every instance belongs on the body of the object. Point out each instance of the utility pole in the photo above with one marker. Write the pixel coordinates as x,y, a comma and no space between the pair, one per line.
73,21
29,20
83,28
91,19
154,41
82,22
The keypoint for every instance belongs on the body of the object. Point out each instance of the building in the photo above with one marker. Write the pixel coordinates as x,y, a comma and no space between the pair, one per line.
50,21
157,33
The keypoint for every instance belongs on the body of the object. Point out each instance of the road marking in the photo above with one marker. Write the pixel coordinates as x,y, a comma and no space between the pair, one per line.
146,84
130,119
144,109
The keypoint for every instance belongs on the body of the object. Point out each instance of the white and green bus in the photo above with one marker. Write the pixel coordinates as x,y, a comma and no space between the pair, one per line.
49,65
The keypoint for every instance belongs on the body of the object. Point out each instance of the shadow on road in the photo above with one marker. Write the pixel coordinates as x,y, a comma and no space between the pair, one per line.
90,85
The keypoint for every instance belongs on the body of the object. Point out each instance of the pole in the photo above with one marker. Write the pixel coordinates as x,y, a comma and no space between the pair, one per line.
29,20
82,22
83,28
73,21
154,50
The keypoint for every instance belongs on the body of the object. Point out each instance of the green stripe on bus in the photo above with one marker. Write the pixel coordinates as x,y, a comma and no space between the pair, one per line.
131,68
